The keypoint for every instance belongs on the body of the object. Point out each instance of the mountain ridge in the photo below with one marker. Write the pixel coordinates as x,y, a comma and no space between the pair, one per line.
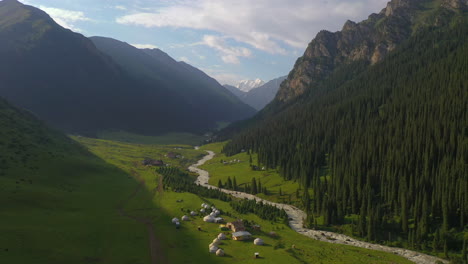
64,79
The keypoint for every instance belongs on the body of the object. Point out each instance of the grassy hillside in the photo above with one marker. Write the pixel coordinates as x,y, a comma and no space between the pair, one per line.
62,204
194,244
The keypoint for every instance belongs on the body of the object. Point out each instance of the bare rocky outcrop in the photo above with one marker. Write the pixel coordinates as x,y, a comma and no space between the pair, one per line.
370,40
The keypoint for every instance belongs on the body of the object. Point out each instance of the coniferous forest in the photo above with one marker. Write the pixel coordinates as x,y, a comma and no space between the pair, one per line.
386,143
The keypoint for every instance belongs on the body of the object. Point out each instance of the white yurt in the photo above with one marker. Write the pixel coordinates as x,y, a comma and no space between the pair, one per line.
258,242
222,236
185,218
202,211
216,241
209,219
207,207
203,205
213,214
175,220
220,253
213,249
217,212
193,213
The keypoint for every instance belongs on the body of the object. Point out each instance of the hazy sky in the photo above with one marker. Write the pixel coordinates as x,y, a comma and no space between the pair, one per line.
230,40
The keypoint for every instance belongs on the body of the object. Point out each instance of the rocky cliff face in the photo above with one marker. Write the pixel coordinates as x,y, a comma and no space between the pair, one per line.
370,40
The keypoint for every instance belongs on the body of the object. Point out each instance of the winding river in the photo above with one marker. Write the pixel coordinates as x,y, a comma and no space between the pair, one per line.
297,217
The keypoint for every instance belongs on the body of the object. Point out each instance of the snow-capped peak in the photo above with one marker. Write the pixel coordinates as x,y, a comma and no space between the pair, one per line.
247,85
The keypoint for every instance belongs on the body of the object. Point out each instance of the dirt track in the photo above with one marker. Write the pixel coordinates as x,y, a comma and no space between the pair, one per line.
297,217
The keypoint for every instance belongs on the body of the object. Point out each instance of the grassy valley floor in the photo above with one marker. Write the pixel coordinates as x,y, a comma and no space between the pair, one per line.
187,244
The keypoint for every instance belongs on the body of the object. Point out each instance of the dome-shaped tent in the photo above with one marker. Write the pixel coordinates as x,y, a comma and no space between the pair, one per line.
222,236
259,242
193,213
209,219
202,211
216,241
185,218
213,249
175,220
220,253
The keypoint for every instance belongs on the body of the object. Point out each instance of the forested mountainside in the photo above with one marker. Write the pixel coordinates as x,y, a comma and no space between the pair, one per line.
383,140
65,80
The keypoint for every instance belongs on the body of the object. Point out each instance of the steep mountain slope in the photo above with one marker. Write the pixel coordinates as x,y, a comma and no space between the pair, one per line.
234,90
63,78
258,97
381,142
193,87
370,41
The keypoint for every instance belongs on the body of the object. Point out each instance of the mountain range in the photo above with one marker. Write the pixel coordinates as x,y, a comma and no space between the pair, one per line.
82,87
260,96
247,85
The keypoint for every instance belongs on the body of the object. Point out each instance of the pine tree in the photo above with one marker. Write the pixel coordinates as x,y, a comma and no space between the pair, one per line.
229,183
234,184
254,186
220,184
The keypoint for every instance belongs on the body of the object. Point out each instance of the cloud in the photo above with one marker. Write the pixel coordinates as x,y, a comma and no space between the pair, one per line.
267,25
120,7
222,76
145,46
228,54
65,18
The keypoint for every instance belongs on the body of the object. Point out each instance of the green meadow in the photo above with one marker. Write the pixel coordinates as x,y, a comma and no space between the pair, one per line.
81,208
244,173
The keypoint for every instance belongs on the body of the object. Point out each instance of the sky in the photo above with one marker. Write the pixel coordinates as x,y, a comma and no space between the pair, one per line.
230,40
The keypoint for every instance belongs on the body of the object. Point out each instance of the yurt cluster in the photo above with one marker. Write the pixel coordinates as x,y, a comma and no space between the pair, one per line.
212,215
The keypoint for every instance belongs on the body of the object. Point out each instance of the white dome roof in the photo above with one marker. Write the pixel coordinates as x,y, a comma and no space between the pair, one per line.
222,236
175,220
216,241
213,249
258,241
185,218
209,219
220,252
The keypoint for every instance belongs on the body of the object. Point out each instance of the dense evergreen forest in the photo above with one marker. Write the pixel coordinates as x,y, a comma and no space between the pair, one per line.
386,143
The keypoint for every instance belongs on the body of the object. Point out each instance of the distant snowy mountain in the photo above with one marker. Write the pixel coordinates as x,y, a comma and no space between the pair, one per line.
247,85
260,96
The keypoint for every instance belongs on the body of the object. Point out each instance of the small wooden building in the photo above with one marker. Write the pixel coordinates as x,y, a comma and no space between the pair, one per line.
236,226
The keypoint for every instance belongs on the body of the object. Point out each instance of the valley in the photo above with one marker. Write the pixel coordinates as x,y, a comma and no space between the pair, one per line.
167,132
